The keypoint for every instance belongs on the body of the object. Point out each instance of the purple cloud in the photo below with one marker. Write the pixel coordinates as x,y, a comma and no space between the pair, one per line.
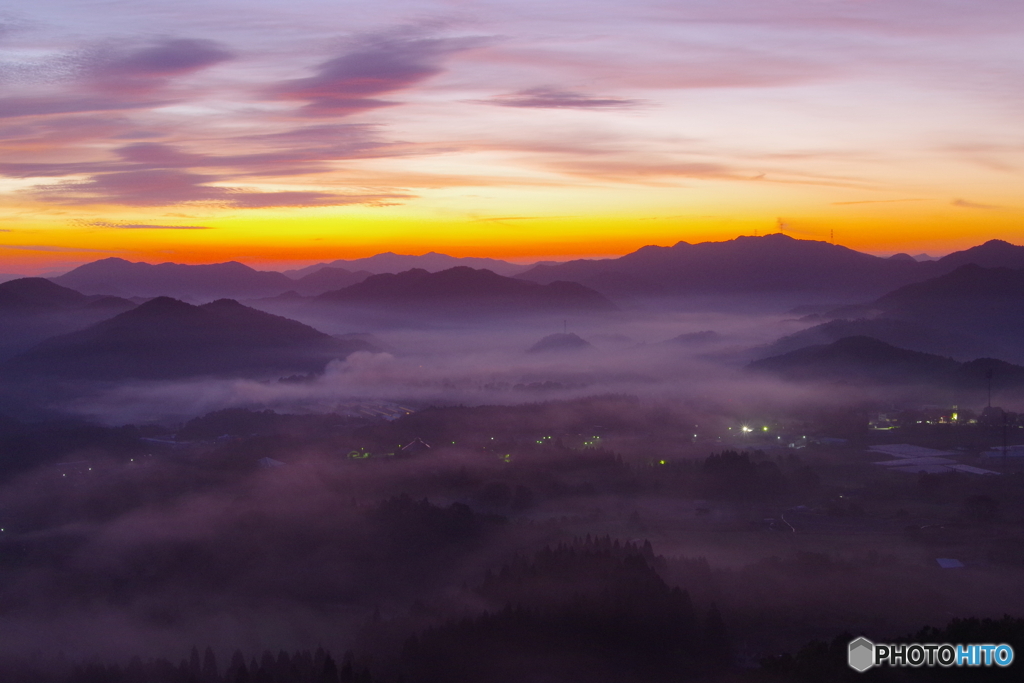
109,79
39,106
145,69
352,82
164,187
553,98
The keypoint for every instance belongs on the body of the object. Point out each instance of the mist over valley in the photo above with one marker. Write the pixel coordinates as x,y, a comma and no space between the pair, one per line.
583,471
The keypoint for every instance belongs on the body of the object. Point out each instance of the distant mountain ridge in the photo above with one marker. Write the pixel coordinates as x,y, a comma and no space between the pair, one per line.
169,339
33,309
39,295
771,263
969,310
390,262
865,360
767,265
206,282
463,289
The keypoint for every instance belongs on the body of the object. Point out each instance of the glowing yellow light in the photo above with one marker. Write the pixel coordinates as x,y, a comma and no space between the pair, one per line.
661,462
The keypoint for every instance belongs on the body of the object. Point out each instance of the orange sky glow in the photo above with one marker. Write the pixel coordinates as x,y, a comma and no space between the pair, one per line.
281,138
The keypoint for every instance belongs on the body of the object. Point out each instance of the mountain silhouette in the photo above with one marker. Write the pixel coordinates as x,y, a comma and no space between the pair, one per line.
858,359
991,254
906,334
433,262
865,360
560,342
983,308
119,277
33,309
39,295
464,289
165,339
773,263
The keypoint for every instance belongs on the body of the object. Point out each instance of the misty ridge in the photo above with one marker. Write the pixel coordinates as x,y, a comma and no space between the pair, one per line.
423,468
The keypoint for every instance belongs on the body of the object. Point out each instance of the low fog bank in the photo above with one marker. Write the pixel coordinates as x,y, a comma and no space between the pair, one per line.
461,489
263,531
692,358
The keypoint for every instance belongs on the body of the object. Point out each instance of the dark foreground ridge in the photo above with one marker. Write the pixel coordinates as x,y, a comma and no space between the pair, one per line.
165,338
867,360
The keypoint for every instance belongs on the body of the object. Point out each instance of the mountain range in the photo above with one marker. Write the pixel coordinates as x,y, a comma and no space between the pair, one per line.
967,312
769,264
389,262
167,339
198,283
865,360
464,290
33,308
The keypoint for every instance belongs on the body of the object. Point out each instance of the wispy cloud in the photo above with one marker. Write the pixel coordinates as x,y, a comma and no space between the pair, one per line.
964,204
109,78
353,82
144,69
877,201
49,247
554,98
163,187
140,226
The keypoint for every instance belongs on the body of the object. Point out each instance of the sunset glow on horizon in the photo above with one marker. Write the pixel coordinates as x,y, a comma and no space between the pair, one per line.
279,136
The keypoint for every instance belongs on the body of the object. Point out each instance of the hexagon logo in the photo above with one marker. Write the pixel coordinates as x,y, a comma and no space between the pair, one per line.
861,654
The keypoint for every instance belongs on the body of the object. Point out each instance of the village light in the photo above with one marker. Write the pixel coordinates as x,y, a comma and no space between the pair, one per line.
745,428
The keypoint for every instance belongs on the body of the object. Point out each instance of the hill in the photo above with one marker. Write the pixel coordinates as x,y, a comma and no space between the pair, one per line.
772,263
560,342
864,360
37,294
165,338
33,309
991,254
858,359
467,290
432,262
905,334
981,308
199,283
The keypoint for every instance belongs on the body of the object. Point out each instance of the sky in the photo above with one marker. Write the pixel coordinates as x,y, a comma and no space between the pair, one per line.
286,133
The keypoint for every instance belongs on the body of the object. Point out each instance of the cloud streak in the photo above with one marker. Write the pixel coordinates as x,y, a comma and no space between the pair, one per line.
352,82
141,226
964,204
165,187
554,98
